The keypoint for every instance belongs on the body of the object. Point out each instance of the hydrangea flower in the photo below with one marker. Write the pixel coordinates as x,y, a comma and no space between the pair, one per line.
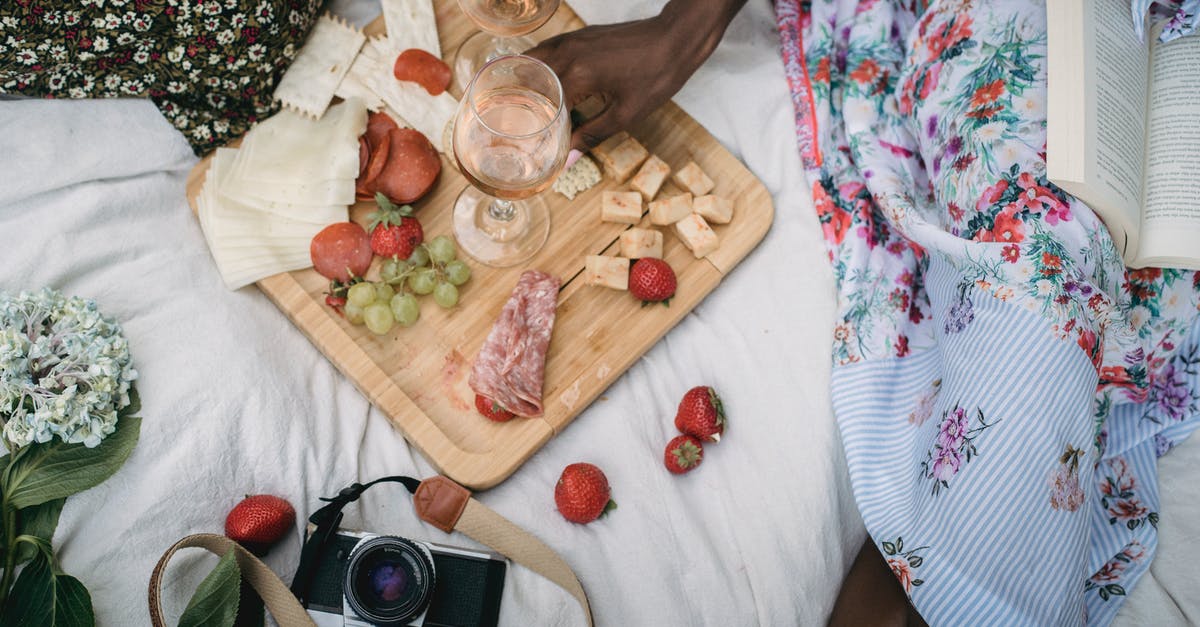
65,369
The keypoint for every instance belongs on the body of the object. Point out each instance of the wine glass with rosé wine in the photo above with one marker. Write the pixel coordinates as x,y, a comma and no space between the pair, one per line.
511,137
504,24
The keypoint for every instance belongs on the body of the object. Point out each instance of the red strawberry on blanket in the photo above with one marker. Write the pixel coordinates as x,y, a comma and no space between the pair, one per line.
260,521
582,493
394,232
684,453
701,414
652,281
492,410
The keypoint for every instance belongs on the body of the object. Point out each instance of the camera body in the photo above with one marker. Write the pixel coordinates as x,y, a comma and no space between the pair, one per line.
365,579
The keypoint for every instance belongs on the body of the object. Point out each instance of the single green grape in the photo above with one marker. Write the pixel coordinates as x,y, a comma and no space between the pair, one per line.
423,280
445,294
419,257
378,317
353,313
406,309
441,249
361,295
392,270
383,292
458,272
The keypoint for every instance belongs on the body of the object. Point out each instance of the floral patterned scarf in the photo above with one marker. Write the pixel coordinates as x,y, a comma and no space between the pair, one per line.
1003,385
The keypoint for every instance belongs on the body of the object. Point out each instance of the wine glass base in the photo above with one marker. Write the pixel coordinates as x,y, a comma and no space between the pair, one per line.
480,48
500,243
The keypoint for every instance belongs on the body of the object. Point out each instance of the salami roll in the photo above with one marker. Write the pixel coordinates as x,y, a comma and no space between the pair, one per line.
511,366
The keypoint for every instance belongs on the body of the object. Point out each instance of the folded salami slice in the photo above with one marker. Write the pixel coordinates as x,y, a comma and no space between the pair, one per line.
512,363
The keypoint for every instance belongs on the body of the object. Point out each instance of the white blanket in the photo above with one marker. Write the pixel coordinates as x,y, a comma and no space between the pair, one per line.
237,401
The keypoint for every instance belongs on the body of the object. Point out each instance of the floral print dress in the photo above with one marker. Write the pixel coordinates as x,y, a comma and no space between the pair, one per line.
1003,385
209,65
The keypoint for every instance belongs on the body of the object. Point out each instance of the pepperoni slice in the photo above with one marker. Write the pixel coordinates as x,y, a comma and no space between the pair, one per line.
426,70
341,249
378,125
412,167
364,153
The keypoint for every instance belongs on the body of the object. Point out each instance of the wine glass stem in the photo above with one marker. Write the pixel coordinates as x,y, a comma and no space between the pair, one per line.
504,46
501,210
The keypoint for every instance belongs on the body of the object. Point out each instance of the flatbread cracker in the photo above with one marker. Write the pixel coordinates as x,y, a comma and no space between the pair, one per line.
314,75
411,24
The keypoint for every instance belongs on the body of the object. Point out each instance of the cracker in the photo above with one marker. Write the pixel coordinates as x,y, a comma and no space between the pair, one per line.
411,24
309,83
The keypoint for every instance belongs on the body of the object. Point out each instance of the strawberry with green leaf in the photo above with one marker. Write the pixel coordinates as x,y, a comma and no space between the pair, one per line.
394,230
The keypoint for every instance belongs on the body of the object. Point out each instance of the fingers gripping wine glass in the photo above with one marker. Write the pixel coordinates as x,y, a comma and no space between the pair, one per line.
511,137
504,24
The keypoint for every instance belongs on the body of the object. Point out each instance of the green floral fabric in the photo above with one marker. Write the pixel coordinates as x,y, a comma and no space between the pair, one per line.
209,65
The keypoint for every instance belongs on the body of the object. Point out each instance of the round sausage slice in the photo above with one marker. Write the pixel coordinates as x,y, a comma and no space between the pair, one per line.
426,70
340,250
412,167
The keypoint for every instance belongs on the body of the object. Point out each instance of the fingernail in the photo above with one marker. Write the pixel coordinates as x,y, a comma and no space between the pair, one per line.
572,157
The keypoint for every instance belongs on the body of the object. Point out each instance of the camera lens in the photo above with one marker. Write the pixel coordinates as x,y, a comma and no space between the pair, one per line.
389,580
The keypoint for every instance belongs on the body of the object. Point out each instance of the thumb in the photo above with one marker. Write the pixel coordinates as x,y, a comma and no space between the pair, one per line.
591,133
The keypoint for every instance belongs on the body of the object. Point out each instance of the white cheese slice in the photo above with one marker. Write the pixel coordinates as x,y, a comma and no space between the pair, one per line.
411,24
289,148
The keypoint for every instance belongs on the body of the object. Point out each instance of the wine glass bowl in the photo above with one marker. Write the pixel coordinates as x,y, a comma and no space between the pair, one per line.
503,24
509,18
511,137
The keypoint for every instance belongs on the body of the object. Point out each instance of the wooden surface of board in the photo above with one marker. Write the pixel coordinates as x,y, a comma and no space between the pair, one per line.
418,376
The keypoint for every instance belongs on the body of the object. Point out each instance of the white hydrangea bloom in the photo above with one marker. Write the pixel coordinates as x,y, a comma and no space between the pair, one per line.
65,369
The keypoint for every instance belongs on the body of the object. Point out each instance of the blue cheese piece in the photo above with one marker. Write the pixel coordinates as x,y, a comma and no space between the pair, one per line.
578,178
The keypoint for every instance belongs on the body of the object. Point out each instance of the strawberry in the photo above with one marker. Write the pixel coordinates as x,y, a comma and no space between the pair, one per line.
491,410
394,232
701,414
582,493
335,302
652,281
684,453
260,521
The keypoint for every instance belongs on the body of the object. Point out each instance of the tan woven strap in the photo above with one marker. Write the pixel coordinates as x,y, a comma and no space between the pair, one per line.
275,594
503,536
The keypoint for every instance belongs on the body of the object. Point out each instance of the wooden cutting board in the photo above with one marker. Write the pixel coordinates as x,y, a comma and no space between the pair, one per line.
418,376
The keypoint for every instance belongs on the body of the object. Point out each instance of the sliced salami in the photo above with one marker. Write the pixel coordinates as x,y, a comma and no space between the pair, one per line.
511,366
411,169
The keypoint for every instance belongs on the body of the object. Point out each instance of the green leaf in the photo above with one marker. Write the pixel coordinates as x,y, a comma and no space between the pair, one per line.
41,598
215,602
39,520
899,544
1103,592
917,582
916,561
1115,590
135,403
56,470
889,548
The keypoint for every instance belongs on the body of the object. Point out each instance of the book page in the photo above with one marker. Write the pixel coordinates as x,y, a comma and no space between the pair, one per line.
1122,85
1097,88
1171,217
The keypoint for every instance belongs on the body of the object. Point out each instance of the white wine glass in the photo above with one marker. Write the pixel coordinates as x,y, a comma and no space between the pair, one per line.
503,24
511,137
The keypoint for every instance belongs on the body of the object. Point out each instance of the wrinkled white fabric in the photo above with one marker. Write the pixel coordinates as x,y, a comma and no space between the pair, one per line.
237,401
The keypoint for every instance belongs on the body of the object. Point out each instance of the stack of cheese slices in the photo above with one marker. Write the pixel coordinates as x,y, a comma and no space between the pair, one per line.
262,203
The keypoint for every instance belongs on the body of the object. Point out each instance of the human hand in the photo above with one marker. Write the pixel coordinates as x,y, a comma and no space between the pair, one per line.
634,67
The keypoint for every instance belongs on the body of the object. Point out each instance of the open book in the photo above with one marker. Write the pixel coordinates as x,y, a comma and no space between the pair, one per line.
1123,129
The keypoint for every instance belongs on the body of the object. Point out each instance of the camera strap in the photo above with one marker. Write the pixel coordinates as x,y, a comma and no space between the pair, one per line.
438,501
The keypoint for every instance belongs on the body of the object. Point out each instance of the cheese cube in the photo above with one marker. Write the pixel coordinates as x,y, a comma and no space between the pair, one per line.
670,210
650,177
607,272
714,209
622,207
578,178
642,243
693,179
623,160
696,235
605,148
